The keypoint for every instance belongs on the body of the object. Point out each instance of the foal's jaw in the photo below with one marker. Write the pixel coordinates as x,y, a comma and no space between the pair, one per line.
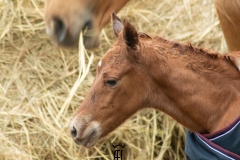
84,132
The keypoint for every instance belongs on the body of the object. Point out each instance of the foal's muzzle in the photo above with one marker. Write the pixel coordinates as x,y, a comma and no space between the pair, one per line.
85,132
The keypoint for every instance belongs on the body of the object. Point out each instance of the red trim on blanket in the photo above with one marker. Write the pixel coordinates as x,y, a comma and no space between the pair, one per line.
222,131
206,138
231,154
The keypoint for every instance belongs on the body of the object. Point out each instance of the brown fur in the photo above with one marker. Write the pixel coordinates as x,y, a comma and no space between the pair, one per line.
229,16
198,88
75,14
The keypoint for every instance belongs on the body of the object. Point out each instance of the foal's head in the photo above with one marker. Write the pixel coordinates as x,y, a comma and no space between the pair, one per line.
66,19
117,91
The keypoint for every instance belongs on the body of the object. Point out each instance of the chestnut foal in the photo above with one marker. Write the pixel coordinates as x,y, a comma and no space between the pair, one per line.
198,88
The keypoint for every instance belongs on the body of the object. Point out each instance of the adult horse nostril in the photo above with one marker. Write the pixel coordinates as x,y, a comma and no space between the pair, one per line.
59,29
88,26
74,132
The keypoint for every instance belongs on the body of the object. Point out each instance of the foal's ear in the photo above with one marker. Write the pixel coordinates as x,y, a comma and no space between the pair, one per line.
234,57
116,24
130,35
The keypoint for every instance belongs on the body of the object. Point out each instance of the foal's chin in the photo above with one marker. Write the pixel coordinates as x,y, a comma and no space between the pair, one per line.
87,142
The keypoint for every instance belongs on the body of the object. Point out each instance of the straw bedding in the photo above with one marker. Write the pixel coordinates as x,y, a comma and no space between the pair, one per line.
41,85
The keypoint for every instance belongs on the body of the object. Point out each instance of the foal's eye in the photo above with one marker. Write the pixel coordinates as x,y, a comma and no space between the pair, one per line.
111,82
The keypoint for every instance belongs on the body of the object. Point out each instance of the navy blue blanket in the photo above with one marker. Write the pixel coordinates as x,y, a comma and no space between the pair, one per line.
221,145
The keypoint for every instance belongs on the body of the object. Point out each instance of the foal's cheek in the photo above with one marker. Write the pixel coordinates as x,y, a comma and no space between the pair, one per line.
93,98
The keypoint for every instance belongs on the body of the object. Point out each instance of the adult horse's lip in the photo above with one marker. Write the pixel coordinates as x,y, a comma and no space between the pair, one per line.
88,26
90,35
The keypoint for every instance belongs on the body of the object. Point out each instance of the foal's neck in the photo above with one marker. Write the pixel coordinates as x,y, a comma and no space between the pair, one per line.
200,90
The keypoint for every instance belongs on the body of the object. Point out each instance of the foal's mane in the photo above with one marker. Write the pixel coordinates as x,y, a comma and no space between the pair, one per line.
185,48
233,58
189,48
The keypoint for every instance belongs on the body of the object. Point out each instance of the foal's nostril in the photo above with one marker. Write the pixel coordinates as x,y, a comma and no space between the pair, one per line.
59,29
74,132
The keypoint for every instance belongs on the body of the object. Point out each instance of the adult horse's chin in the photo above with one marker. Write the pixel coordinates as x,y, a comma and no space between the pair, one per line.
84,133
72,41
91,42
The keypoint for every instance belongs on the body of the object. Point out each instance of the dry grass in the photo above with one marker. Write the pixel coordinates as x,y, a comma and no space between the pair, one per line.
41,85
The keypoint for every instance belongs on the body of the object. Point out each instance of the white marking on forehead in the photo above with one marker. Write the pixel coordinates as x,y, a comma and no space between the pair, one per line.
100,63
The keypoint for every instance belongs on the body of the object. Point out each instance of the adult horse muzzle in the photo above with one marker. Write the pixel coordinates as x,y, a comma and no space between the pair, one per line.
62,35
